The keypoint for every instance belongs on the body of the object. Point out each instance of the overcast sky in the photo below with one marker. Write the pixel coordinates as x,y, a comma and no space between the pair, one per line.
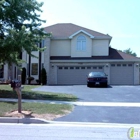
118,18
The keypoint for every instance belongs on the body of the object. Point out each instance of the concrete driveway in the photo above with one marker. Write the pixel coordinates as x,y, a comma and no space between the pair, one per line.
98,94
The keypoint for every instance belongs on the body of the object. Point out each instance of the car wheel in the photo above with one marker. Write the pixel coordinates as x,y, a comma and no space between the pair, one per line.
105,85
88,85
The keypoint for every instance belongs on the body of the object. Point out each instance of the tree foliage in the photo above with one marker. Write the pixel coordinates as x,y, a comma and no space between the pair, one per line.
19,29
129,51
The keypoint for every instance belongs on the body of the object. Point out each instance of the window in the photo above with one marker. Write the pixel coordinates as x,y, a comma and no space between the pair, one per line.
100,67
124,65
34,68
60,68
71,67
113,65
88,67
130,65
77,67
82,67
65,67
118,65
1,71
81,43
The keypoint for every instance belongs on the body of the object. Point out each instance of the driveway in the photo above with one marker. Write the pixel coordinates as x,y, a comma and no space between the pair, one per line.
98,94
104,114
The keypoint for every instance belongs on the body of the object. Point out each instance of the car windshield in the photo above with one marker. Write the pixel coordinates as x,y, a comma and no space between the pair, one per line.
97,74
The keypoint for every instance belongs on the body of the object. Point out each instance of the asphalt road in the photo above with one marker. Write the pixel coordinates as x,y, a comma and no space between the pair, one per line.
98,94
64,132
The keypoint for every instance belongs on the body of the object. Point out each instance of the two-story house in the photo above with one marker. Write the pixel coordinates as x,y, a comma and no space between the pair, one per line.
73,51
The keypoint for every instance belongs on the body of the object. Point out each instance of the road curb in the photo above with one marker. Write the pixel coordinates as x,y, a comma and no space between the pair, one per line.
23,120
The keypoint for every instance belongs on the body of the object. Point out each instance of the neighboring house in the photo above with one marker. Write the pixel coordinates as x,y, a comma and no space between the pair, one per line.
73,51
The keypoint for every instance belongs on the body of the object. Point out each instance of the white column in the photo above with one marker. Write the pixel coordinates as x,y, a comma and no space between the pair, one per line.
6,71
53,74
47,59
107,71
136,74
24,58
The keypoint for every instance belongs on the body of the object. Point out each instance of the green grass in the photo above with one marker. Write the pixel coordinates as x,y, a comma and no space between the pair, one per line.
38,108
7,92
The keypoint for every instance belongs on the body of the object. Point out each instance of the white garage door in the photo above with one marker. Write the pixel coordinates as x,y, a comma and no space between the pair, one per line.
122,74
75,74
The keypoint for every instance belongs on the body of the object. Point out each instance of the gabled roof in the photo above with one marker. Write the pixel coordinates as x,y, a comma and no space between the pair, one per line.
113,55
66,30
81,31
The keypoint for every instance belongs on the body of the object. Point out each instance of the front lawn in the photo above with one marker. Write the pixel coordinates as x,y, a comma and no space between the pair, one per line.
39,110
7,92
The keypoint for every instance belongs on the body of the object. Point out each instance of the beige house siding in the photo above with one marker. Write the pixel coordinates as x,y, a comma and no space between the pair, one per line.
87,52
60,48
100,47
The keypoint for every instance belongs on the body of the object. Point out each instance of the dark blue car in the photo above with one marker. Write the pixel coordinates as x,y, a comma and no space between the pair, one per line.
97,79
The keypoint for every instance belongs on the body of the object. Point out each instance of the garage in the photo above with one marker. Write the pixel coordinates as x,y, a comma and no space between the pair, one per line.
71,75
122,74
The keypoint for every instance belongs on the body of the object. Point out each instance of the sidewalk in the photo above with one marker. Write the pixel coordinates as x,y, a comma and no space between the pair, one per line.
109,104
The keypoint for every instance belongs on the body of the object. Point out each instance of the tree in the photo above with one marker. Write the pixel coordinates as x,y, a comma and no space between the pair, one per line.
19,29
129,51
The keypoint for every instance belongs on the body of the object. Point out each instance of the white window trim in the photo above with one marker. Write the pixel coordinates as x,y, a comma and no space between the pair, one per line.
91,36
81,48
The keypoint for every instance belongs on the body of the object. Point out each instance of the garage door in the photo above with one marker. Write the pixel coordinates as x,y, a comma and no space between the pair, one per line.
75,74
122,74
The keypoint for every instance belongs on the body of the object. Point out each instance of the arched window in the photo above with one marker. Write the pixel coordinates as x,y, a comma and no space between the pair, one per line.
81,43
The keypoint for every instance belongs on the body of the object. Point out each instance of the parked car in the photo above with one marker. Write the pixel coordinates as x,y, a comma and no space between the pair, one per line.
97,79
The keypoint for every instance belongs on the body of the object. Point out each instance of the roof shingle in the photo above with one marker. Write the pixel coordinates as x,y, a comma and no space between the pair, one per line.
113,55
65,30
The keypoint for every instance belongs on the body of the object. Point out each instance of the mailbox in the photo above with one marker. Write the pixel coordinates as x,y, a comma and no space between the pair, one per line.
15,84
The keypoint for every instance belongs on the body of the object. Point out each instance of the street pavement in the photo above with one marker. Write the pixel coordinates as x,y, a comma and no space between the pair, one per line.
60,131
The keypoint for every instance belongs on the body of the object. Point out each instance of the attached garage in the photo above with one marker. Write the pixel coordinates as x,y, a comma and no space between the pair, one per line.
122,74
75,74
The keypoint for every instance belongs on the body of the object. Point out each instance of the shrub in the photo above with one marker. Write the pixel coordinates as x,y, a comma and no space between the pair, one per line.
43,76
23,75
30,79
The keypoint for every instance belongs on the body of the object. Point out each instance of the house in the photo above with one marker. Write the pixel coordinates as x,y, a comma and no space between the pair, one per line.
74,51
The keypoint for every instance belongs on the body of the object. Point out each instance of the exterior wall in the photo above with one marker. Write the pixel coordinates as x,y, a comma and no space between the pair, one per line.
136,74
100,47
87,52
60,48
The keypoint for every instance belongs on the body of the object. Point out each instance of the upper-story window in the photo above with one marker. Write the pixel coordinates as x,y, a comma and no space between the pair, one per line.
81,43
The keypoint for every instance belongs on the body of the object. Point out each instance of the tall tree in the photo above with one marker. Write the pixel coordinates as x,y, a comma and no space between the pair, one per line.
19,29
129,51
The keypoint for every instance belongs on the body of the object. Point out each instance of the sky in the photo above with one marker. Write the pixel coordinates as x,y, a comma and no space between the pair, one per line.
118,18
